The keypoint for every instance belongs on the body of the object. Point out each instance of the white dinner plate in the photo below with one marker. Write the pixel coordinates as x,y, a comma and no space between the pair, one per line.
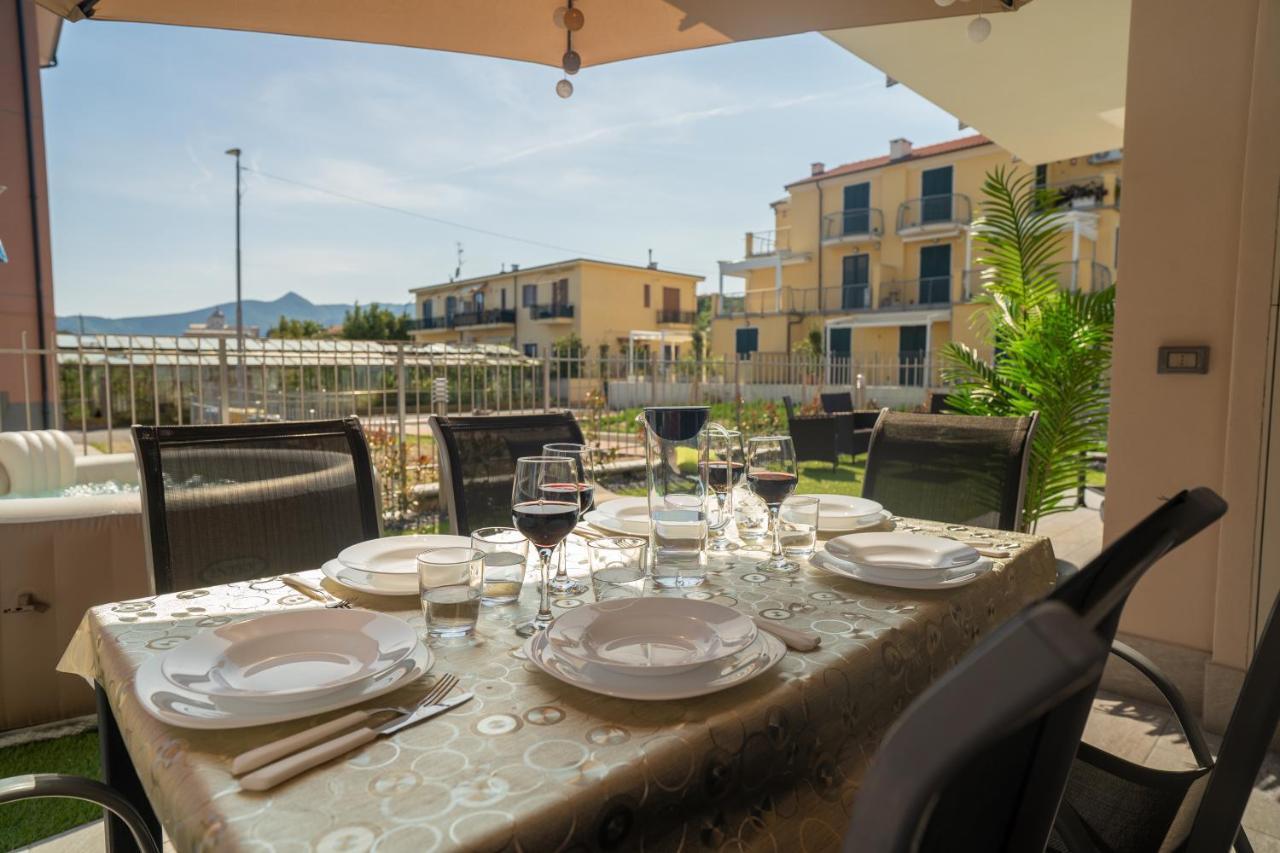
761,656
846,510
189,710
945,579
374,584
651,636
852,525
396,555
902,550
290,655
633,510
612,524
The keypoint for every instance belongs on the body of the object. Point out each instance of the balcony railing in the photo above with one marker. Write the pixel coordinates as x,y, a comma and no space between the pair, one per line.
852,224
916,293
767,242
554,311
686,317
934,212
427,323
1082,275
1083,193
491,317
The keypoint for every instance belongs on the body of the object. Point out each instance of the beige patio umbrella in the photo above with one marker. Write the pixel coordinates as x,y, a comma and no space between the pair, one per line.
528,30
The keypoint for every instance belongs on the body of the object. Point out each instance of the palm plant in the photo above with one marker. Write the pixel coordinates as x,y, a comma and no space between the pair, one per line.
1052,347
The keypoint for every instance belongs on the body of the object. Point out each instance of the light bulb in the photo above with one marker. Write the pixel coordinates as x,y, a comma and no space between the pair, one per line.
574,19
944,3
571,62
564,88
558,16
979,29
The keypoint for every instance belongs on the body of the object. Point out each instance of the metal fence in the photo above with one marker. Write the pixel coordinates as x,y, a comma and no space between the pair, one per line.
99,385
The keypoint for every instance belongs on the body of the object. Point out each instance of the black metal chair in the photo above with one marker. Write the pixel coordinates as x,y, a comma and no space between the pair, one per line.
937,403
41,785
954,468
980,761
836,402
816,437
478,461
237,502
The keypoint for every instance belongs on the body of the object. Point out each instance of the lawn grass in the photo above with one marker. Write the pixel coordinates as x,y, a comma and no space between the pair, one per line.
30,820
815,478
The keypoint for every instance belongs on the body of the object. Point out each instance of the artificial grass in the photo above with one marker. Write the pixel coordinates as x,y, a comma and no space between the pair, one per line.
815,478
28,821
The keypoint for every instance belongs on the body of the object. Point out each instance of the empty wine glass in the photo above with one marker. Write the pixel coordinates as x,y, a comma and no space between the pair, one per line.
772,476
545,515
583,490
725,465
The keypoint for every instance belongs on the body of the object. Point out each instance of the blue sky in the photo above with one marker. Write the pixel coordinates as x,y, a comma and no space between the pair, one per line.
678,153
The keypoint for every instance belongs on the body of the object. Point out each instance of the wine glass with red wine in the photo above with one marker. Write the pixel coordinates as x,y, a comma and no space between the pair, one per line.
545,516
772,475
583,491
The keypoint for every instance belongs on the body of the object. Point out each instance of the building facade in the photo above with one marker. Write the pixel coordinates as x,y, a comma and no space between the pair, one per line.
614,309
879,256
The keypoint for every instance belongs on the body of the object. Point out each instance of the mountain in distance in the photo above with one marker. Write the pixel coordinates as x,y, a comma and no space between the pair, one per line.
257,312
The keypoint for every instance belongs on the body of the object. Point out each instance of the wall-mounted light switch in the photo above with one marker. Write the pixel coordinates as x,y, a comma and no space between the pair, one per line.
1183,360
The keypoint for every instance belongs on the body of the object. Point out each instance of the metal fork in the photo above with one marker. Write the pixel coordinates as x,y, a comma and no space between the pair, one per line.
315,592
264,755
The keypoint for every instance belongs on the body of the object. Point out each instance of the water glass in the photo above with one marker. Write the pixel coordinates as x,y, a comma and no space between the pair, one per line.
506,552
798,522
617,566
751,517
449,581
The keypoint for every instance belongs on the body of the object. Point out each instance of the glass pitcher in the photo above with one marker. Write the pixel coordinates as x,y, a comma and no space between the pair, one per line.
676,455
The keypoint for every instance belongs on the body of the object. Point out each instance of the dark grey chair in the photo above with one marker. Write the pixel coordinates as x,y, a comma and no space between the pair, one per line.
980,761
478,461
937,403
955,468
816,437
836,402
42,785
244,501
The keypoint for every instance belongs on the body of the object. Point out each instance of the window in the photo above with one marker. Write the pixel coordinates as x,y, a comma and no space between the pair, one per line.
560,292
855,282
1042,176
935,187
450,306
531,350
857,214
935,275
504,298
528,295
646,296
747,341
426,309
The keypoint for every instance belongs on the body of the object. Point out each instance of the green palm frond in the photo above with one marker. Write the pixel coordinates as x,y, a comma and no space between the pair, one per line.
1053,348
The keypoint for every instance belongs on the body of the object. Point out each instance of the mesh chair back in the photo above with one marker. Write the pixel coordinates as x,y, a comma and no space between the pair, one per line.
1024,671
244,501
955,468
840,401
1005,793
789,405
478,461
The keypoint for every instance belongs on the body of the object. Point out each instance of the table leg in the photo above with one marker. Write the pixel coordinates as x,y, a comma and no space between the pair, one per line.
119,773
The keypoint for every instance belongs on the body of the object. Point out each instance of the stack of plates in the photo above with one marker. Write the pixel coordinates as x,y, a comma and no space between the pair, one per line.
905,560
847,514
280,666
386,566
654,648
624,516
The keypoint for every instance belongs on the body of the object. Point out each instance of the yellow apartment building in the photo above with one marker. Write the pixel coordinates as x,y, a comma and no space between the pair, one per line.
615,309
878,254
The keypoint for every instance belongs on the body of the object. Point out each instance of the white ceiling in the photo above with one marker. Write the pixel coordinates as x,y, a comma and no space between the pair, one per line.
1047,84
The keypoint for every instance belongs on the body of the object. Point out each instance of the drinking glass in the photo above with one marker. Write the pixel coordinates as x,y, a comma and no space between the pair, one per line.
750,517
726,462
799,521
584,491
545,515
506,552
618,566
772,476
449,585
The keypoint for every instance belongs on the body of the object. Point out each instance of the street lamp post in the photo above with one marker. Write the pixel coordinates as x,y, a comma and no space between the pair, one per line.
244,389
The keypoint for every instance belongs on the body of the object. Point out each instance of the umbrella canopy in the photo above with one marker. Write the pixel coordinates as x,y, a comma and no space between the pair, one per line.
527,30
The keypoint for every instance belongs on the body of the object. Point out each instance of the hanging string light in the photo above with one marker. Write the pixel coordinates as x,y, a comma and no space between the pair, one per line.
571,20
979,27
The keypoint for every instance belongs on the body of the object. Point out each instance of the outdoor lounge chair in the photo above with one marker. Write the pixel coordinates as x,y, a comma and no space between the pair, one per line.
954,468
981,759
245,501
816,437
834,403
478,461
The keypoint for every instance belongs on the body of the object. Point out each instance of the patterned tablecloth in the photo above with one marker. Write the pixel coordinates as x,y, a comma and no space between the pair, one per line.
534,764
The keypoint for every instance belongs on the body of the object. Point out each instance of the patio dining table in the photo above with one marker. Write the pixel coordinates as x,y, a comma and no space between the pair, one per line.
535,764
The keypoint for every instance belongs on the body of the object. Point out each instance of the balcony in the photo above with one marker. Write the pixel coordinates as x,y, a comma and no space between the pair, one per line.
554,311
762,243
1089,192
1087,276
687,318
492,317
934,216
853,226
934,292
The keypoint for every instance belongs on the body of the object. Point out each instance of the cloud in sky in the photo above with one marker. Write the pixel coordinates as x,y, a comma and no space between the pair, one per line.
678,153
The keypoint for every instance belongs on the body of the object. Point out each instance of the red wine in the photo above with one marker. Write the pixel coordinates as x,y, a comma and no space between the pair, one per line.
722,476
583,493
545,523
772,487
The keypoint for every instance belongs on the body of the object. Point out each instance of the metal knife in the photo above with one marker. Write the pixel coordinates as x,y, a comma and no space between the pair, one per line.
287,768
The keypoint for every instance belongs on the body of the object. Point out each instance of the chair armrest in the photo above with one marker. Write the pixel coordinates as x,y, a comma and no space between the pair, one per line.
79,788
1177,702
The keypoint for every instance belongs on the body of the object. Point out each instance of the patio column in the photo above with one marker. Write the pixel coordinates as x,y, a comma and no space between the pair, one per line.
777,282
1075,253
